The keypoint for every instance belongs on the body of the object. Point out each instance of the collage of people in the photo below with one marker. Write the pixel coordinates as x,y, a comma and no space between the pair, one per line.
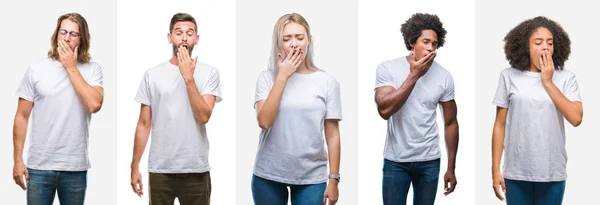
267,102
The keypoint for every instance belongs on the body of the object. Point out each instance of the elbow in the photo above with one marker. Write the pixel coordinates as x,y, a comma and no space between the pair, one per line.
384,114
202,120
264,125
576,122
94,108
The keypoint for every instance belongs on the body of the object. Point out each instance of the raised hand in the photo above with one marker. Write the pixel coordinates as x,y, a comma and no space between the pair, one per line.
186,64
66,56
288,65
547,66
421,66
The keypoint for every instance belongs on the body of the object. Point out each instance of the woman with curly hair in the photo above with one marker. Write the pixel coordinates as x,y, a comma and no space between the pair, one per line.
407,92
533,98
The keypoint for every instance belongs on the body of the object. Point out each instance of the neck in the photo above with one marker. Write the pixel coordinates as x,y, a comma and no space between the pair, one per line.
174,60
303,68
532,68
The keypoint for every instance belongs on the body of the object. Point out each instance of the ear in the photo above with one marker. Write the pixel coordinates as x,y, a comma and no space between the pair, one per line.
169,38
197,39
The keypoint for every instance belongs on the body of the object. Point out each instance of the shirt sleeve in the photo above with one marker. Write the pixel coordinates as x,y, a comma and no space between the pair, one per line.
213,85
143,95
571,90
26,89
334,103
448,89
383,77
97,77
263,87
501,97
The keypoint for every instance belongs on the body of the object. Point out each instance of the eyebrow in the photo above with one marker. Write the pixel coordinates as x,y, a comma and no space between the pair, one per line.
289,35
430,39
541,39
179,29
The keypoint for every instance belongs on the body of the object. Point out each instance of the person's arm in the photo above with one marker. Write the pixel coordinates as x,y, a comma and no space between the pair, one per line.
19,134
142,132
572,110
266,110
202,105
91,96
497,148
389,100
332,137
451,137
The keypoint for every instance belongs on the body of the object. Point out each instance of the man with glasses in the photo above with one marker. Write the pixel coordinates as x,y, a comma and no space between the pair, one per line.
62,91
177,98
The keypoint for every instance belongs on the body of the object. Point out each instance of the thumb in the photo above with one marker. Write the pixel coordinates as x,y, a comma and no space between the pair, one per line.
76,50
325,200
195,60
26,176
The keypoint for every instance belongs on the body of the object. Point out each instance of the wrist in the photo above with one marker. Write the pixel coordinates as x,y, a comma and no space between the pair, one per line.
333,182
189,80
281,78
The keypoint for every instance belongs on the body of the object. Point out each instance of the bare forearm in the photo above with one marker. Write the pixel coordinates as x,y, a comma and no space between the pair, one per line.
392,102
89,96
452,139
268,111
19,135
141,139
572,111
497,147
200,108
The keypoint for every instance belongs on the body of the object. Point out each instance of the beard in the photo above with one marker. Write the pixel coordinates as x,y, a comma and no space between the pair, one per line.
190,48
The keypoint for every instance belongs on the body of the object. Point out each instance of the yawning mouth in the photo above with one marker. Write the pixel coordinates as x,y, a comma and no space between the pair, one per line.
183,45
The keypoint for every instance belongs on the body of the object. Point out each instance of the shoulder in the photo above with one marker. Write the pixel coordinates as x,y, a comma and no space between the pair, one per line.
266,75
204,66
326,77
393,62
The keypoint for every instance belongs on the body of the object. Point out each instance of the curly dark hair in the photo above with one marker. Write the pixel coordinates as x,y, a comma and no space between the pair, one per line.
411,29
516,47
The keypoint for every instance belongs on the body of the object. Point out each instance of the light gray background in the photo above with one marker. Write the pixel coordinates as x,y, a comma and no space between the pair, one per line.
334,30
493,21
27,28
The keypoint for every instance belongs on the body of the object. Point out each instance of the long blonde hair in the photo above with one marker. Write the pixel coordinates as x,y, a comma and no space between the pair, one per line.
277,41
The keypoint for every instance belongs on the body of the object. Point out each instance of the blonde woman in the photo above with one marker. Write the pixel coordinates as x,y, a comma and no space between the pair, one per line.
295,102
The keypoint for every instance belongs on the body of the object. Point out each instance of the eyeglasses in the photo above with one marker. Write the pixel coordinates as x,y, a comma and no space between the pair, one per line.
64,32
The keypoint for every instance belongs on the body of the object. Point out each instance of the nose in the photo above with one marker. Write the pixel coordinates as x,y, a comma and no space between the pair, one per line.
184,38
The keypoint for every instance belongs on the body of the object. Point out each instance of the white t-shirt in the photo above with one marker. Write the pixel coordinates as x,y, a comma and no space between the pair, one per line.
534,141
412,132
293,151
59,122
178,143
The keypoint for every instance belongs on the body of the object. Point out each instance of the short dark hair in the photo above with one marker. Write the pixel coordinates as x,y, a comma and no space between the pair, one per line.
181,17
516,46
411,29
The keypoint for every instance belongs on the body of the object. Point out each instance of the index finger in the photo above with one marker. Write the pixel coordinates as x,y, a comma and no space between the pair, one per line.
21,182
497,192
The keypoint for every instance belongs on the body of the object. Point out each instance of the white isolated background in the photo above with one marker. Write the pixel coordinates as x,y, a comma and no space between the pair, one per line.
494,21
333,27
27,28
380,39
143,28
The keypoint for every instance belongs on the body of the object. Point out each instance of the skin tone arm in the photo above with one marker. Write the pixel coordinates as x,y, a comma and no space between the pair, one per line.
573,111
202,105
451,135
267,109
332,137
20,174
497,148
142,132
90,96
389,100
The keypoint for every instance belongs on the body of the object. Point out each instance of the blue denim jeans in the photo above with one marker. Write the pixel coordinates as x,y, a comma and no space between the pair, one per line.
44,184
267,192
397,177
534,193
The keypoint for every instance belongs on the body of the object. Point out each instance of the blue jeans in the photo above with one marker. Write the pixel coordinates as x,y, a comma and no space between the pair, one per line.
533,193
269,192
397,177
43,185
